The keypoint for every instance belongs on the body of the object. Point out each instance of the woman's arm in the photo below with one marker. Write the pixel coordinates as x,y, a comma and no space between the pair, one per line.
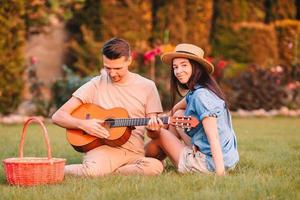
211,130
181,105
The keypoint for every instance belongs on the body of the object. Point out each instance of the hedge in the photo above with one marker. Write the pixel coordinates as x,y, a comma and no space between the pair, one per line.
257,44
288,36
12,38
183,21
226,13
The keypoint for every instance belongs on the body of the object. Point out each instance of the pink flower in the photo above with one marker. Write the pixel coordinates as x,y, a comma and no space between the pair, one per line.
292,85
149,56
134,55
157,50
278,69
33,60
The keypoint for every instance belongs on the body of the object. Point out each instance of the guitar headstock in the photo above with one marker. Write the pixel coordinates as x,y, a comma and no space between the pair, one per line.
184,122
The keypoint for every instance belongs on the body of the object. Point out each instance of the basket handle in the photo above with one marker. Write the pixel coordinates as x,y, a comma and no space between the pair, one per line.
24,132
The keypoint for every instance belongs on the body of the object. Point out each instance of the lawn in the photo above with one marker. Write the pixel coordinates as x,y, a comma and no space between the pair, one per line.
269,168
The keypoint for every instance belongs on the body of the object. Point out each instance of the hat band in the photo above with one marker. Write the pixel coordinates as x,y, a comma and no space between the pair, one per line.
186,52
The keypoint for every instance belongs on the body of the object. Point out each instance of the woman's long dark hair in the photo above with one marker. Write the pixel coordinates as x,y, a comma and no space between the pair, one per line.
199,77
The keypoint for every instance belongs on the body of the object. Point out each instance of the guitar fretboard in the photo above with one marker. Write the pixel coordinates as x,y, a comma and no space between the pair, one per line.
122,122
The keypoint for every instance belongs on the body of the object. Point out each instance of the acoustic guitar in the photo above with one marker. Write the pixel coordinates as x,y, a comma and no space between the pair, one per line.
117,123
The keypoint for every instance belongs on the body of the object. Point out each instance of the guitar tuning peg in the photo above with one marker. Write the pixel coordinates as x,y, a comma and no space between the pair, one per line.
188,129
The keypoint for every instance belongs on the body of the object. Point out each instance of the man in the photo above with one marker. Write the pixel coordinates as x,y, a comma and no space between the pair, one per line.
115,87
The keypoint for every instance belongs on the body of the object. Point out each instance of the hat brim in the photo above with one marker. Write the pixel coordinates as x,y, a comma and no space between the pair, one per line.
168,57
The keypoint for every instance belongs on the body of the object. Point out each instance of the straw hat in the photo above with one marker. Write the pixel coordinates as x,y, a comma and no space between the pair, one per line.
189,51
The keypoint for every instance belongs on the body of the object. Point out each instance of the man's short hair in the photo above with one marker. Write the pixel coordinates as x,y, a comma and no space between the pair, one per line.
116,48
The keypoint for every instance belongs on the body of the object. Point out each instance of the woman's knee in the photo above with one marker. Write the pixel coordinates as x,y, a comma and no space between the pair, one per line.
152,148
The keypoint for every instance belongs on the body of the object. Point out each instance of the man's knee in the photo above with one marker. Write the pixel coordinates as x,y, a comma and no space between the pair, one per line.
84,170
94,169
153,167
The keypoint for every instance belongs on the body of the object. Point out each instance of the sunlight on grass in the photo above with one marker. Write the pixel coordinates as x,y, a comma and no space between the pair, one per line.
268,168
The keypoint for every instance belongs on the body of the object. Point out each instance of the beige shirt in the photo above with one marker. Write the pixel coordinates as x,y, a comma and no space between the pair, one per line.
139,96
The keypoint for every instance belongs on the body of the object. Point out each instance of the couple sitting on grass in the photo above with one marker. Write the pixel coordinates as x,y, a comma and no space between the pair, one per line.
208,148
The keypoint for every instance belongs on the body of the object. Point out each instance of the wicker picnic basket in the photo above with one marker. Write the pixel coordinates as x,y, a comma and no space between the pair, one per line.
29,171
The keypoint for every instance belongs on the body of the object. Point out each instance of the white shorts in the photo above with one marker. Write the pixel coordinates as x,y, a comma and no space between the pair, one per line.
190,162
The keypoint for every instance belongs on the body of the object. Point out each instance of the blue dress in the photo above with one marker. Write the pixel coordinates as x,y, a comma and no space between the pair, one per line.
202,103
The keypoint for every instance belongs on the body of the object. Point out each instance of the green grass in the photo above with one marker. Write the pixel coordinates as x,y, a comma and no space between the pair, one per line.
269,168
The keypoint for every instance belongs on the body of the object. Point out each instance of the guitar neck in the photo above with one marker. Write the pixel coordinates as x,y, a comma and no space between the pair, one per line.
122,122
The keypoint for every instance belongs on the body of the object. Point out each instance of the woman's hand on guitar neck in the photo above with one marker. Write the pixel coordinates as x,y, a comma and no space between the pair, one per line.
94,127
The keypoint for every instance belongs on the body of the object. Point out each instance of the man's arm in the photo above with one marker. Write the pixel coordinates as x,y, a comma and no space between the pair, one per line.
153,108
153,128
63,118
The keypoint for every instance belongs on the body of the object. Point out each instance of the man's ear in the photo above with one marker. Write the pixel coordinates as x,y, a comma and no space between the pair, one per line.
129,60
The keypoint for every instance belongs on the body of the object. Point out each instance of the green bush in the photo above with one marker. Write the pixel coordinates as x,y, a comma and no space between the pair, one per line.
85,13
12,36
131,20
283,9
35,16
257,88
86,54
96,21
63,89
198,16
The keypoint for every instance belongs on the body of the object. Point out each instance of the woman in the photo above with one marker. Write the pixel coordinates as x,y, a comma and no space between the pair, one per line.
211,146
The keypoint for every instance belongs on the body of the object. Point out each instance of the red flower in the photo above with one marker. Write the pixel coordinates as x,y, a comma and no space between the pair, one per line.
221,64
210,59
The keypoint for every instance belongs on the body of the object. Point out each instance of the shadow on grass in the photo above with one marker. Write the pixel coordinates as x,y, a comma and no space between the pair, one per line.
3,181
168,166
